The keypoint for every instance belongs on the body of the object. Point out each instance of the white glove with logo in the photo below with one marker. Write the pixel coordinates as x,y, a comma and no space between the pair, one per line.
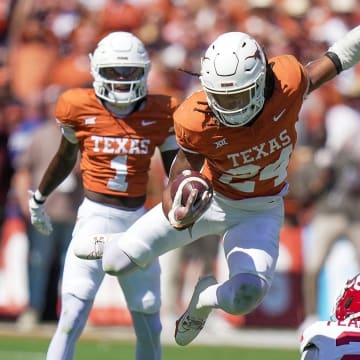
184,216
39,218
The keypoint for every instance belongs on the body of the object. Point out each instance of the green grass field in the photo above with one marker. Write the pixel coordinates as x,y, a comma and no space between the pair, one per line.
18,348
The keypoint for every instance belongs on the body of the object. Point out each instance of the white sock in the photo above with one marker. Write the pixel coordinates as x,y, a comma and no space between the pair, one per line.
208,297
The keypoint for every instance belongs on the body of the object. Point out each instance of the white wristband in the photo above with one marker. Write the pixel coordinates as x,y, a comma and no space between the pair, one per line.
348,48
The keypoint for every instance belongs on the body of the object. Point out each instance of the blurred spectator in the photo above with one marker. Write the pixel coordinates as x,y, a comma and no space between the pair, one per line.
6,169
24,119
120,15
45,251
333,189
31,59
72,69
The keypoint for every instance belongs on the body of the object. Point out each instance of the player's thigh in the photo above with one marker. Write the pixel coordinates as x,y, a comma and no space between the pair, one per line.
152,236
141,288
83,277
252,246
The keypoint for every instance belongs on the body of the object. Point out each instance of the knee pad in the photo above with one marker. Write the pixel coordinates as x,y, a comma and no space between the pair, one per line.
115,261
242,294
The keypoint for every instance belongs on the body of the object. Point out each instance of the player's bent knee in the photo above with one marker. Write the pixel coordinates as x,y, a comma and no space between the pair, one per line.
115,261
245,293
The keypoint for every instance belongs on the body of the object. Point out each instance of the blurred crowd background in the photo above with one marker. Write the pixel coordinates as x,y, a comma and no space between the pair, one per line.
44,47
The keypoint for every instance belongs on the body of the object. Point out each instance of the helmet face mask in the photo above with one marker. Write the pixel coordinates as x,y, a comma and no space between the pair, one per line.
347,305
120,66
233,73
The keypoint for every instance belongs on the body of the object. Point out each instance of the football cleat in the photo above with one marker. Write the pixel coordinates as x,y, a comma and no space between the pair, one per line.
93,248
192,321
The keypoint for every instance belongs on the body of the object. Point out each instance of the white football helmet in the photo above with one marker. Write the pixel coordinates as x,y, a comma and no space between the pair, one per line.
120,65
233,73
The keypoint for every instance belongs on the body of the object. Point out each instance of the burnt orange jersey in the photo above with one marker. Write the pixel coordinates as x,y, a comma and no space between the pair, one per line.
251,161
116,152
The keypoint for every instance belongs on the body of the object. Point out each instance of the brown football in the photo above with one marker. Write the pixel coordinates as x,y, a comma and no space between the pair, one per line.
189,180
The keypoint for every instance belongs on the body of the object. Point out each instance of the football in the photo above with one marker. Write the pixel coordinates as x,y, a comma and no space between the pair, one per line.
189,180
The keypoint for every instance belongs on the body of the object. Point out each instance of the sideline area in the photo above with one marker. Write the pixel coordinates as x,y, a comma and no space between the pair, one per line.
216,332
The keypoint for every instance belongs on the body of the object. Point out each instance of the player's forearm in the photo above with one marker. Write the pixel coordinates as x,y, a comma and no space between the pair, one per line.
59,168
52,178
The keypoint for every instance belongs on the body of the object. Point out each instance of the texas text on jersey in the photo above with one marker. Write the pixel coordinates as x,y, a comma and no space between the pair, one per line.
122,146
259,153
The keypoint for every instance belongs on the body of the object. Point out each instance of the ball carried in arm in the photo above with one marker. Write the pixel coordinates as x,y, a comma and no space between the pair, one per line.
191,193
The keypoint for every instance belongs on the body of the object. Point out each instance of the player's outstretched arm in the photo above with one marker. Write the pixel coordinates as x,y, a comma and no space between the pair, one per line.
342,55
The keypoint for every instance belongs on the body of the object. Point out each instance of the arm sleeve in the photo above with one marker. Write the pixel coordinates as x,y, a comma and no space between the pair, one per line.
347,49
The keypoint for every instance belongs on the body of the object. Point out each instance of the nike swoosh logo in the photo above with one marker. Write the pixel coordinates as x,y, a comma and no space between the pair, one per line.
147,123
278,116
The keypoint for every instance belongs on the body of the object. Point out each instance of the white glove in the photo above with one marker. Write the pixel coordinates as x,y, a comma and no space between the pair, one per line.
182,217
39,218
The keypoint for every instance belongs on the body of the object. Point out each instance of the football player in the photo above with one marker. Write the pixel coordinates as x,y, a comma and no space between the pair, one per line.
240,130
338,339
116,127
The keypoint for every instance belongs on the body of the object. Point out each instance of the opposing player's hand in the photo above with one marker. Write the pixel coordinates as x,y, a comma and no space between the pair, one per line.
184,216
39,218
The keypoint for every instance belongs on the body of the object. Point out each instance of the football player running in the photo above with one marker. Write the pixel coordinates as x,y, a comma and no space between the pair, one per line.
116,126
241,131
338,339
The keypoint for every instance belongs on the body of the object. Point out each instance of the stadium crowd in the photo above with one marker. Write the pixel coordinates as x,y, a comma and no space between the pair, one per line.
45,44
